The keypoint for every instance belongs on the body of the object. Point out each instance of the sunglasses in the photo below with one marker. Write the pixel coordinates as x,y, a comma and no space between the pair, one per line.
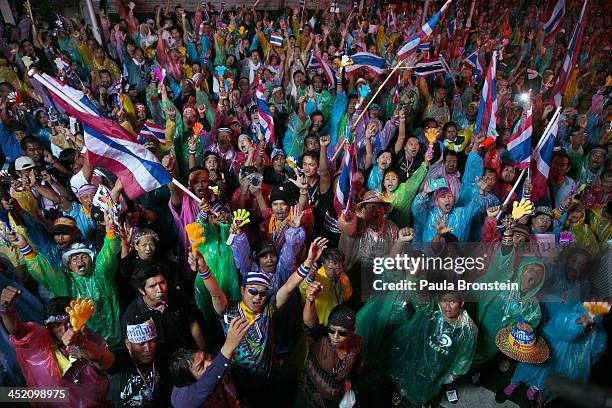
255,292
341,333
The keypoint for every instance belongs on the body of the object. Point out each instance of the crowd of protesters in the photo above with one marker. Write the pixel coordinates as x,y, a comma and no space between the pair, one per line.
277,311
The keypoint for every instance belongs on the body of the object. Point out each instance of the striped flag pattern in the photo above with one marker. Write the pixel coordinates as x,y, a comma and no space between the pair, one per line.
276,40
266,123
423,47
345,180
109,145
363,60
487,107
573,50
542,159
555,21
318,64
150,131
429,67
424,33
519,143
302,4
452,26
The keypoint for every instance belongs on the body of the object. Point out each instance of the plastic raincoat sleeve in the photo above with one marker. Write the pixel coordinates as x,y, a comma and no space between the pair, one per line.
388,132
473,169
297,140
500,269
37,235
337,112
106,261
48,276
401,198
463,359
242,253
294,238
419,208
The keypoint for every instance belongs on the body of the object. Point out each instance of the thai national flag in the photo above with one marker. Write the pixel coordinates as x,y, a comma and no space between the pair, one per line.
302,4
345,180
422,35
276,40
573,50
108,144
452,26
429,67
542,158
363,60
266,123
474,61
424,47
318,64
555,21
487,107
151,130
519,144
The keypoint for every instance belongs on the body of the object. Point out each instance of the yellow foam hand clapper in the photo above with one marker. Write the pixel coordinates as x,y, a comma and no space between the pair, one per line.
241,218
195,233
519,210
80,311
432,135
597,308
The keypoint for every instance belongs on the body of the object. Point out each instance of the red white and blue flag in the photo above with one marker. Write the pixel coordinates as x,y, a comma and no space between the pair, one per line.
109,145
475,62
363,60
519,144
152,131
429,67
424,33
345,180
555,21
266,123
487,107
276,40
452,26
319,65
573,50
542,159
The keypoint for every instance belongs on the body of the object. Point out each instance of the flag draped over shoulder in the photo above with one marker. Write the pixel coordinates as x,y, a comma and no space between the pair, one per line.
108,144
422,35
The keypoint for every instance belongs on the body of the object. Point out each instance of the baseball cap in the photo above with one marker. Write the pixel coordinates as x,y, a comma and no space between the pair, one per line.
63,225
24,163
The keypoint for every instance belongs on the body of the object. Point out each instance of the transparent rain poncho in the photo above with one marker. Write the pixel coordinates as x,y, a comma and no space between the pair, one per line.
426,351
219,258
502,308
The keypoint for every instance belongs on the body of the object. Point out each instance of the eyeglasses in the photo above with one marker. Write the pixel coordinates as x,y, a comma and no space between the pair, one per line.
255,292
341,333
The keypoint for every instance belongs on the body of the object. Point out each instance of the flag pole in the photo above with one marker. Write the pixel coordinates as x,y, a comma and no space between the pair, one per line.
186,190
365,109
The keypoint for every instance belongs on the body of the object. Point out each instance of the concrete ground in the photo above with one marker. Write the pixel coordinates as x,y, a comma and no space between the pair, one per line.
476,397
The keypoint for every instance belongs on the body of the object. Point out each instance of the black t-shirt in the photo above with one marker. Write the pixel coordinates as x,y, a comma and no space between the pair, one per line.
405,169
173,325
131,388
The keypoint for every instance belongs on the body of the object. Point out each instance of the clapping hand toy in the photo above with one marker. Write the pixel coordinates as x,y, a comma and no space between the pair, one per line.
80,311
519,210
27,61
346,61
241,218
197,129
597,308
565,238
432,135
220,70
195,233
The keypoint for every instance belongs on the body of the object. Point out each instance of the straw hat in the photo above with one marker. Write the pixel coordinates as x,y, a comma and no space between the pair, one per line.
374,197
521,343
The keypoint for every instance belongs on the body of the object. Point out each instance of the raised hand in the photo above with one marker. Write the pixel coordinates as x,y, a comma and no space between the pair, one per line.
325,140
296,217
313,291
17,239
406,234
316,249
493,211
237,329
441,227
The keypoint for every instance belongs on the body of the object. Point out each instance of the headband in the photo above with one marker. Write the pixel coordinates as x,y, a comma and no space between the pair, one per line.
195,173
56,318
141,333
86,189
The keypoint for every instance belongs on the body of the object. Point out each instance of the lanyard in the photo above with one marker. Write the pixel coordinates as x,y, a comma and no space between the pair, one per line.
151,387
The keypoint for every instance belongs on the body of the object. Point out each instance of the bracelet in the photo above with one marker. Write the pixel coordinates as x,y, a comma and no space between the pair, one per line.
205,274
260,153
507,240
192,151
26,250
11,308
302,271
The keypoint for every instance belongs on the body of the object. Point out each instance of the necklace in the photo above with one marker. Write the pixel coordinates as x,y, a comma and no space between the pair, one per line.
339,363
150,387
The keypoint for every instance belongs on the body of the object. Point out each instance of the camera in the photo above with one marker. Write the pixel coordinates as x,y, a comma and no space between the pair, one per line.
97,214
255,179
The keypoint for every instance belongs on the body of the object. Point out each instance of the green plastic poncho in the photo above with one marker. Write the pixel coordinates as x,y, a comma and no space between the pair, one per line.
499,309
219,258
401,199
98,286
426,351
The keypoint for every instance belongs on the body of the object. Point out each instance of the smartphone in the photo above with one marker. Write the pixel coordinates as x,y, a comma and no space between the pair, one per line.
437,183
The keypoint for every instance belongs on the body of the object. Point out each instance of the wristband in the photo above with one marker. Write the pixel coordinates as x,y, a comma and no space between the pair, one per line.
11,308
192,151
527,196
561,209
205,274
507,240
260,153
309,279
302,271
26,250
